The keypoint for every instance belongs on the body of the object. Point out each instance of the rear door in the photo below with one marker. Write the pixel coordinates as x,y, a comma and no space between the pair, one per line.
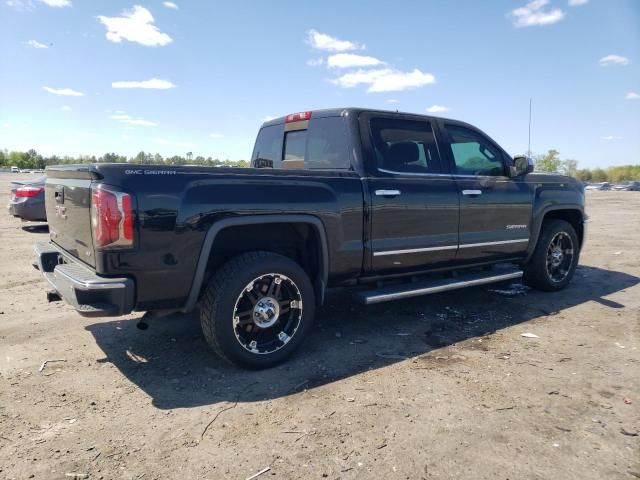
414,200
495,209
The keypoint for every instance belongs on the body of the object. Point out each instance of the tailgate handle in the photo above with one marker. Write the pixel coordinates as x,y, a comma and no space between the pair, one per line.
59,194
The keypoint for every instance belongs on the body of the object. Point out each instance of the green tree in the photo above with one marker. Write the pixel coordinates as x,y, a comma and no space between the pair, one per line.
584,175
598,175
569,167
110,158
549,162
139,158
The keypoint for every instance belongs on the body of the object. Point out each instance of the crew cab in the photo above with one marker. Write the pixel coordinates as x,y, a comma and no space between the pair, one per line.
388,203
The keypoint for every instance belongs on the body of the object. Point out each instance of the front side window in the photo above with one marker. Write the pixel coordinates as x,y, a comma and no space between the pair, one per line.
473,154
404,146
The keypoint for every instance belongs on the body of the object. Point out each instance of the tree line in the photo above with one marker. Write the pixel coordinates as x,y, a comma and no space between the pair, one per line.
32,160
551,162
548,162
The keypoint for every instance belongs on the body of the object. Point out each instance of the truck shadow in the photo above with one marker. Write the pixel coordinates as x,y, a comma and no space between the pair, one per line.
36,228
173,365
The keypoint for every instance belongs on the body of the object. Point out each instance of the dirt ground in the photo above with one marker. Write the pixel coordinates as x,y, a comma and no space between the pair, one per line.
442,386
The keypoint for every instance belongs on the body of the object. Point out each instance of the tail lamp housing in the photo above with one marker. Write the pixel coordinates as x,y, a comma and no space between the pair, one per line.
28,191
111,218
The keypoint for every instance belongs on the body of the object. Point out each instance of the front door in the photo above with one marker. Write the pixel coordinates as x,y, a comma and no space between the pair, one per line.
495,209
414,214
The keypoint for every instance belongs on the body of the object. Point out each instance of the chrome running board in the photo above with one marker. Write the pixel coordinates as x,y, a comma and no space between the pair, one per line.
407,290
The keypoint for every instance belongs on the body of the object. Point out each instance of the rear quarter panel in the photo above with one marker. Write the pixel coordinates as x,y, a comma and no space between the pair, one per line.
175,211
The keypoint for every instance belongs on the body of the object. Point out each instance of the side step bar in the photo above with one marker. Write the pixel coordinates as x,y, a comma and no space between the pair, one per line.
397,292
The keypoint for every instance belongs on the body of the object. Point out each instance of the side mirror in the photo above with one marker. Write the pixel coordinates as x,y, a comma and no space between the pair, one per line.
521,166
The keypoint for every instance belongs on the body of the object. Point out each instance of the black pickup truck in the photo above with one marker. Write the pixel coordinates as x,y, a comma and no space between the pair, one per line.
393,204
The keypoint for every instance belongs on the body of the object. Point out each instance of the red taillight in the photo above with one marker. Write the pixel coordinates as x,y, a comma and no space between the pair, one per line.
111,218
127,222
298,117
28,191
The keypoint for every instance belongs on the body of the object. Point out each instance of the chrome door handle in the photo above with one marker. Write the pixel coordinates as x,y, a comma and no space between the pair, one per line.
387,193
472,192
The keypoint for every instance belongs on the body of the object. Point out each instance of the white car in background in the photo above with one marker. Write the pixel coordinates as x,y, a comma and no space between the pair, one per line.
598,186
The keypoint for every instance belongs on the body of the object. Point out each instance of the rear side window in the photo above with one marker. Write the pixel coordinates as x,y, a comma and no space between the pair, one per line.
327,146
268,147
404,146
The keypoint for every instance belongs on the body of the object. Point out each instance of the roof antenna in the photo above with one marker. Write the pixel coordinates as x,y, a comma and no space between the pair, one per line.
529,147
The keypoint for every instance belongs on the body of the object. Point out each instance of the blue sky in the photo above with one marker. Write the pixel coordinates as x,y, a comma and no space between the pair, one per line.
89,77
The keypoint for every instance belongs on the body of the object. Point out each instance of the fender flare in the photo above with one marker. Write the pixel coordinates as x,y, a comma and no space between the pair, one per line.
320,283
538,224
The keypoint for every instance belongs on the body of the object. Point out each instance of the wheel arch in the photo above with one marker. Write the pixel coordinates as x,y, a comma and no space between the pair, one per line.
570,213
320,280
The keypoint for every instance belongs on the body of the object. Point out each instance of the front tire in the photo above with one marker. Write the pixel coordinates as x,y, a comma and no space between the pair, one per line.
555,257
257,309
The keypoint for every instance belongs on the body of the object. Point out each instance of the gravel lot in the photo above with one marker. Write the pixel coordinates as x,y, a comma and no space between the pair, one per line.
442,386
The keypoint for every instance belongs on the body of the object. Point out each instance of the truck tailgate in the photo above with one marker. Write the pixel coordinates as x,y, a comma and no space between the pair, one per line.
68,206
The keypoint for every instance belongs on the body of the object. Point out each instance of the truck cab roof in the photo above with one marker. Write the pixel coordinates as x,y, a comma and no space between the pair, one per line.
355,111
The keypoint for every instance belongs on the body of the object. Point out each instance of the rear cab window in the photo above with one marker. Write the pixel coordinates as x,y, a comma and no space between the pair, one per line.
319,143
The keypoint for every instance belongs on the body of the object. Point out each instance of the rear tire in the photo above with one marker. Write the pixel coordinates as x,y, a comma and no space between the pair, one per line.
555,257
257,309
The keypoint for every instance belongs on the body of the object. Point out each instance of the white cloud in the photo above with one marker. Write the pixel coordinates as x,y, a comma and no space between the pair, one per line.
392,100
66,92
385,79
534,14
65,108
322,41
135,25
154,83
25,5
614,60
577,3
216,135
36,44
437,109
632,96
612,137
315,62
170,5
129,120
57,3
349,60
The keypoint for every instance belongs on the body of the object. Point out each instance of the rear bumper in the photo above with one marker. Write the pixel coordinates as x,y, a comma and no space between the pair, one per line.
28,209
90,294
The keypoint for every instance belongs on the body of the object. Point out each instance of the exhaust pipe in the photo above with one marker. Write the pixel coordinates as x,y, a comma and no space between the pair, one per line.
53,296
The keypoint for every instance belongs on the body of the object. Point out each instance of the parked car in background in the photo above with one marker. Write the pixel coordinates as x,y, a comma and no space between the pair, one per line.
27,199
627,187
598,186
